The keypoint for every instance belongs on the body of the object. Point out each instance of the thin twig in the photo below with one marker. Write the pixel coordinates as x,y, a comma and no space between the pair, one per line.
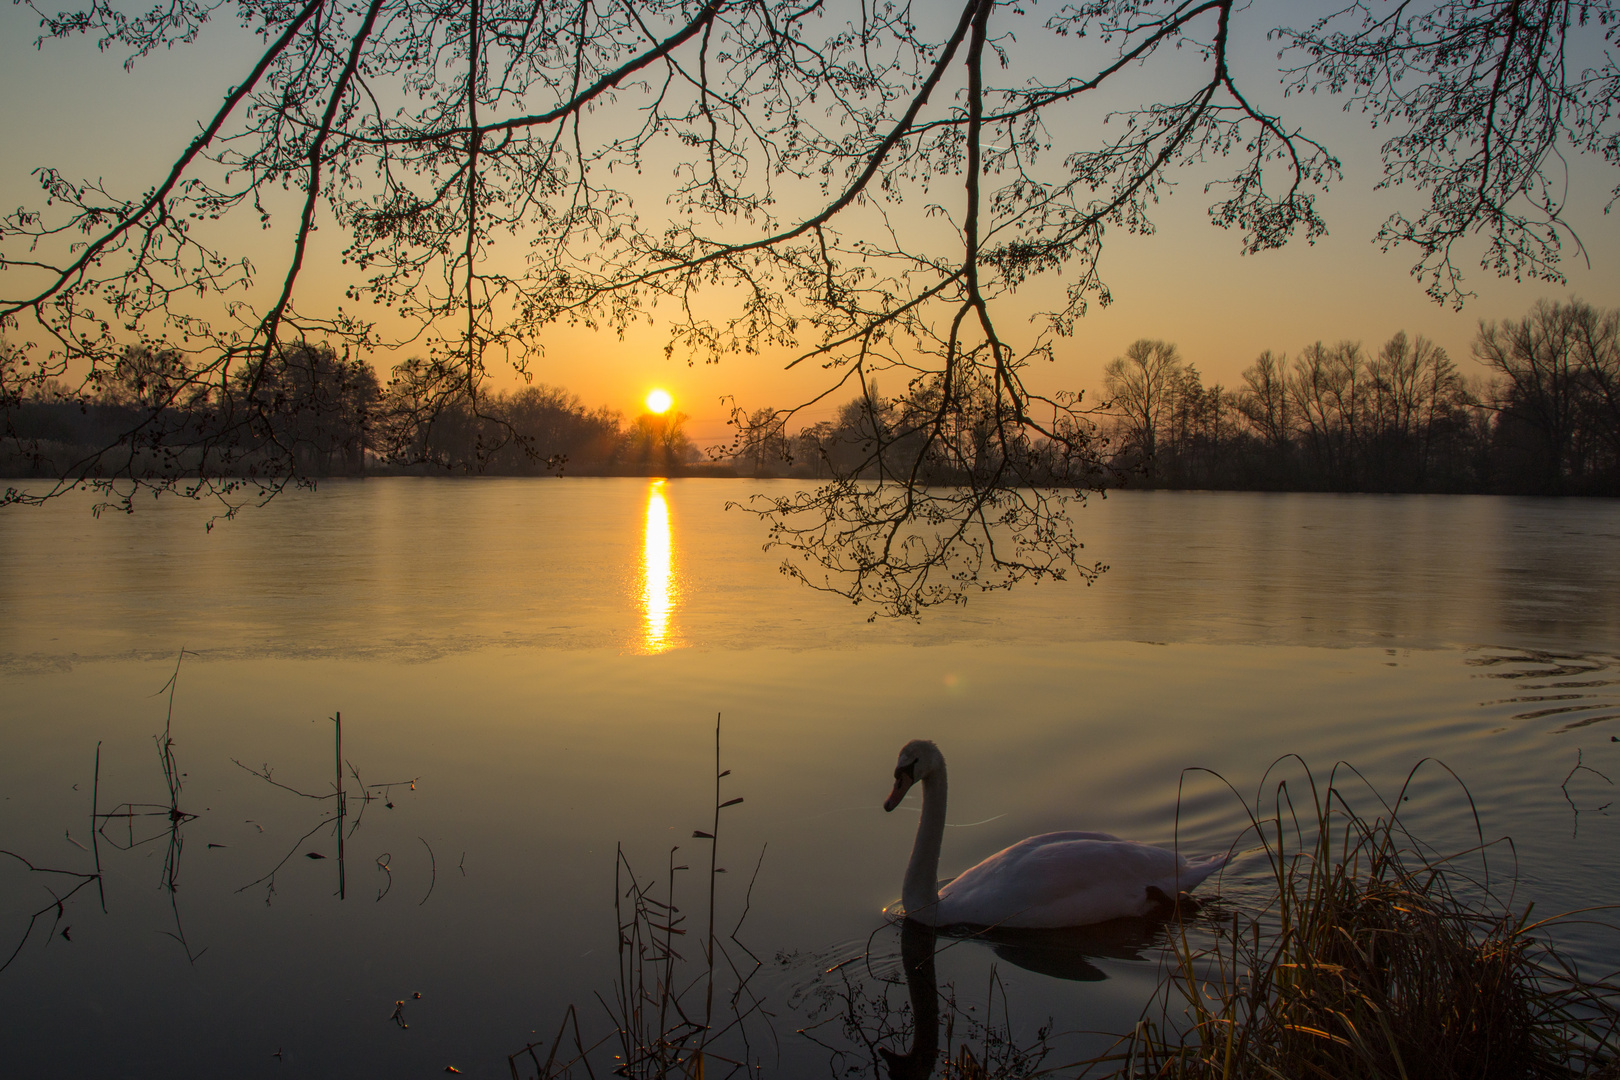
434,867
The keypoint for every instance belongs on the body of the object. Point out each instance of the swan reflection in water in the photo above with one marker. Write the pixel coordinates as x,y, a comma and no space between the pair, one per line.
1067,954
657,586
1061,954
917,960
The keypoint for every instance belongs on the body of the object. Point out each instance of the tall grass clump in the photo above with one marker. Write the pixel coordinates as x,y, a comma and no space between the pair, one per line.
681,1004
1374,956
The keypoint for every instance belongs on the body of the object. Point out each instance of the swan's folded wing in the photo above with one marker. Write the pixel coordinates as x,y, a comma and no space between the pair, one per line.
1060,879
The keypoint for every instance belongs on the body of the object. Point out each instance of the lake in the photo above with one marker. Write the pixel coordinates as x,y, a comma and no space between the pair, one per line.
529,674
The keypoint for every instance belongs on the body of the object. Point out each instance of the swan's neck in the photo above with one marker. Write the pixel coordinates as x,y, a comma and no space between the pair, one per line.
920,893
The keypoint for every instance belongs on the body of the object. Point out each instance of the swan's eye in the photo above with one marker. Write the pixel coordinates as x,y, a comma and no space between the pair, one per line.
906,772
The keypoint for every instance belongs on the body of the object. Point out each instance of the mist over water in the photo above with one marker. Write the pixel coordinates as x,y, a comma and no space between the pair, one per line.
546,659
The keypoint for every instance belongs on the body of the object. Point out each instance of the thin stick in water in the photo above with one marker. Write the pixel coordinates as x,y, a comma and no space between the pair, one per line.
342,807
434,866
95,846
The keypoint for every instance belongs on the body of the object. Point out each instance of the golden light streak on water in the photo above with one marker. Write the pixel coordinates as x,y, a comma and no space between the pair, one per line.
657,591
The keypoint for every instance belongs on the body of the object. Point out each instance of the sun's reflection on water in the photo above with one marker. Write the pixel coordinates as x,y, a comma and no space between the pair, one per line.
657,590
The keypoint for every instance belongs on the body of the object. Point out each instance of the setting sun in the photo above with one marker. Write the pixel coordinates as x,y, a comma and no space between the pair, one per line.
659,401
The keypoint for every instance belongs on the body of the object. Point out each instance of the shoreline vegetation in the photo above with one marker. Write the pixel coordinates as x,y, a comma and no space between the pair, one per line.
1374,954
1341,417
1366,953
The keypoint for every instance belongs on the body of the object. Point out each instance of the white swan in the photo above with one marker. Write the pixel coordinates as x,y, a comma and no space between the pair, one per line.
1053,880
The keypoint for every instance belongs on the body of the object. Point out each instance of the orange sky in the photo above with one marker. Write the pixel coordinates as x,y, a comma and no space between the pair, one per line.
75,108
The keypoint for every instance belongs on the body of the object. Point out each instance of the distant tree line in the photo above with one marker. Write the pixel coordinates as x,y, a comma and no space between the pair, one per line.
531,430
1337,417
329,414
1402,418
924,437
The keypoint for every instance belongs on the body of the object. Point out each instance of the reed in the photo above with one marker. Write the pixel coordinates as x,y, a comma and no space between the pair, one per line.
1374,956
664,1016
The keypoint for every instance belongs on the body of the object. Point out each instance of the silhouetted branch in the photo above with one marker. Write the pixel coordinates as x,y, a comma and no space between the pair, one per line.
434,871
271,876
865,193
263,773
56,905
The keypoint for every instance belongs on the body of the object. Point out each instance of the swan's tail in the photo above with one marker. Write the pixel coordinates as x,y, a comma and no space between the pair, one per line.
1199,868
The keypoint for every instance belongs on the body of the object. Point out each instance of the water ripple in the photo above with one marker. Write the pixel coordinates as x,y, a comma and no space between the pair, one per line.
1544,681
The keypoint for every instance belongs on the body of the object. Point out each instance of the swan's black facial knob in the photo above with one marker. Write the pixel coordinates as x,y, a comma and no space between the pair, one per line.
904,777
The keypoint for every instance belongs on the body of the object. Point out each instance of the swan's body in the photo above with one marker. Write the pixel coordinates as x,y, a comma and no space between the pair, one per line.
1048,881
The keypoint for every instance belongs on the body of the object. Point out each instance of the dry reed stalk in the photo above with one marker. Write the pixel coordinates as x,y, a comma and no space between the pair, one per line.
664,1015
1376,958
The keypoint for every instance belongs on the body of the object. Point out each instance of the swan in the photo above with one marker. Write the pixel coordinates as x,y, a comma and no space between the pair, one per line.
1054,880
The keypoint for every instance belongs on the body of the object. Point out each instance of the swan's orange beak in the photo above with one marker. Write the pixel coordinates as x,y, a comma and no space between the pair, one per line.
902,784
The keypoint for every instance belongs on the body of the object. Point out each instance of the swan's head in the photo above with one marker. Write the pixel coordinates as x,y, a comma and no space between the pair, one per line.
919,759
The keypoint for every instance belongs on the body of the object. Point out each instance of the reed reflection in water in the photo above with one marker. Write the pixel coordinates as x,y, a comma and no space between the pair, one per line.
657,588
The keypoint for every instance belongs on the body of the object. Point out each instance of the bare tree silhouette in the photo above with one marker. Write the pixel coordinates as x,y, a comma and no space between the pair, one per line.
872,181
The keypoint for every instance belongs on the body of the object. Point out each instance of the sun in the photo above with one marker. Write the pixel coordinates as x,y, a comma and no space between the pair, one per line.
659,401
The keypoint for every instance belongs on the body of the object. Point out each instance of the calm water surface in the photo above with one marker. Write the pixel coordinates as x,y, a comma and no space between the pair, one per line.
546,659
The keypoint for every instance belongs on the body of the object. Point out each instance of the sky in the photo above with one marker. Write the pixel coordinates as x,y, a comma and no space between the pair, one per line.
79,110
